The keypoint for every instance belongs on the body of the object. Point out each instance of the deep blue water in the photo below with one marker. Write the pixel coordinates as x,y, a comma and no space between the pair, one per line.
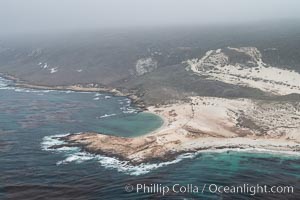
30,119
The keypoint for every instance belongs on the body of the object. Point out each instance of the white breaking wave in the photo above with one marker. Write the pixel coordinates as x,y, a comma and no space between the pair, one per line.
49,141
97,94
120,166
128,110
31,90
107,115
74,155
78,157
4,83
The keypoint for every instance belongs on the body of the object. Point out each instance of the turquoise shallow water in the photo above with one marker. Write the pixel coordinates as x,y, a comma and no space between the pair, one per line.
30,119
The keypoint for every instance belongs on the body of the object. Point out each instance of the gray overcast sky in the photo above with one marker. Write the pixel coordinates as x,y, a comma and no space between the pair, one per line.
18,16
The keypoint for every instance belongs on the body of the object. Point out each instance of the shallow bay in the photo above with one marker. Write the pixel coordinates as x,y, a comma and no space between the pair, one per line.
30,119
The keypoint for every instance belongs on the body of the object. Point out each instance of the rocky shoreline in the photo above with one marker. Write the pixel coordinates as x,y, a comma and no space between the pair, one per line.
70,142
135,100
203,124
156,155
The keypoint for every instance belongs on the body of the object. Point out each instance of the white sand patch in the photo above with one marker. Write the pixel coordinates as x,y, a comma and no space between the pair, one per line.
206,123
45,66
53,70
220,117
270,79
145,65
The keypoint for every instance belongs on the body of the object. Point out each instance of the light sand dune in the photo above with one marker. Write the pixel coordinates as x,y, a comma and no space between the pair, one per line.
204,123
269,79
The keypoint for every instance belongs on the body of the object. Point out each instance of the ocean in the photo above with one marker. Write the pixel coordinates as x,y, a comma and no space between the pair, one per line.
31,120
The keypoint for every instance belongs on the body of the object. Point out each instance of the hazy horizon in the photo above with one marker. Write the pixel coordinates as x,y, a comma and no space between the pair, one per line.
55,16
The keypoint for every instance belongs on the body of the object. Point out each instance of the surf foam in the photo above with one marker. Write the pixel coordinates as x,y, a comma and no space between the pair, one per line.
74,155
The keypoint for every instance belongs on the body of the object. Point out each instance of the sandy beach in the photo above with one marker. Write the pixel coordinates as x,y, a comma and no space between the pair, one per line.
204,123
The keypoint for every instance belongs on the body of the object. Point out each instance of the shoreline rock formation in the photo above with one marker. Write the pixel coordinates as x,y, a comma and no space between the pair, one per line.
205,123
